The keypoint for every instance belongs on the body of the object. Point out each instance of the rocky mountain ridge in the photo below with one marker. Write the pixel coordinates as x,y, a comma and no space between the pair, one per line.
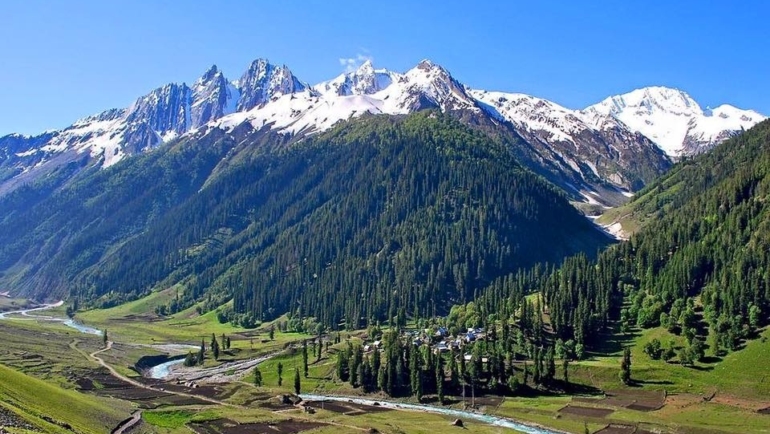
597,150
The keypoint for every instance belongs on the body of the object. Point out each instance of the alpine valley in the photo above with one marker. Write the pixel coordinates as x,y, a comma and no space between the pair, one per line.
404,243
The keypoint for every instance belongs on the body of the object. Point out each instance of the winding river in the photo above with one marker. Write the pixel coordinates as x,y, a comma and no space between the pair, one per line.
484,418
24,314
163,370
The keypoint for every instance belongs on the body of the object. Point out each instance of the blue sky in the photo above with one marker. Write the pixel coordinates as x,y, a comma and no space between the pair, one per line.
65,60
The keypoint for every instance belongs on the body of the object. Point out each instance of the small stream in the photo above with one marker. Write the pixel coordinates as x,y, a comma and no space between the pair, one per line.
461,414
25,312
69,322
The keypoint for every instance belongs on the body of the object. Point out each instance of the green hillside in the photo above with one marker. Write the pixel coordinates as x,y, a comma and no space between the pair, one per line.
56,410
698,267
379,217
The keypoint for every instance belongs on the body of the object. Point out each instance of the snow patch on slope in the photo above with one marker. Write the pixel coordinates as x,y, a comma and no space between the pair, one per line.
534,114
96,137
302,112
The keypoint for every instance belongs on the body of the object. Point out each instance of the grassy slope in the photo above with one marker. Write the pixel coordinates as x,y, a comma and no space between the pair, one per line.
740,378
385,422
7,304
177,418
739,373
42,349
183,327
34,399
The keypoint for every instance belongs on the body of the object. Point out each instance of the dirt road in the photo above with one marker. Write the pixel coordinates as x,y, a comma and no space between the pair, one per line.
94,356
127,424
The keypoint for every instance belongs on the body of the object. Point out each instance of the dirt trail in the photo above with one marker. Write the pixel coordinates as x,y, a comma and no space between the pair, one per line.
135,383
127,424
94,356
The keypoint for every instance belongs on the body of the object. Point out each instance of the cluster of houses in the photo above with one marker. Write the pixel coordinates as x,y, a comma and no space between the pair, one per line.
440,340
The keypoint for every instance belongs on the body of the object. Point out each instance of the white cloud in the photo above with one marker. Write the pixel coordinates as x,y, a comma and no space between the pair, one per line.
352,63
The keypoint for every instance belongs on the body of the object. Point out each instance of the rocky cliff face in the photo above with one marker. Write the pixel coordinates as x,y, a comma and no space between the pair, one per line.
212,97
264,81
597,150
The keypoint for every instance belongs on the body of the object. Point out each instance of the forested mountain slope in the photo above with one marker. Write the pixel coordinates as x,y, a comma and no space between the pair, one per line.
57,227
379,215
375,216
704,249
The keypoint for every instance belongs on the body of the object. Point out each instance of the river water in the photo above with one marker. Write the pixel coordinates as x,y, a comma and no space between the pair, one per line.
484,418
159,372
24,314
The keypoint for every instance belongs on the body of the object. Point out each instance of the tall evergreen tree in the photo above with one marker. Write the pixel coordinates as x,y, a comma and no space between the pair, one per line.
440,379
625,366
297,383
257,377
565,370
201,353
214,347
454,374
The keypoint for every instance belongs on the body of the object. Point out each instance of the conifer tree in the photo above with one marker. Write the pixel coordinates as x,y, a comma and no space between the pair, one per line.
297,384
565,370
440,379
625,366
257,377
454,375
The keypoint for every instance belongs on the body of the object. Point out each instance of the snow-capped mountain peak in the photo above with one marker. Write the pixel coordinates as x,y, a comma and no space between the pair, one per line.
212,97
208,75
673,119
531,113
586,147
365,90
427,64
605,143
165,109
365,80
264,81
649,100
429,84
727,111
366,67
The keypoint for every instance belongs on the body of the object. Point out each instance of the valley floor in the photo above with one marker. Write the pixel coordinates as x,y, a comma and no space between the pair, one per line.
55,379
